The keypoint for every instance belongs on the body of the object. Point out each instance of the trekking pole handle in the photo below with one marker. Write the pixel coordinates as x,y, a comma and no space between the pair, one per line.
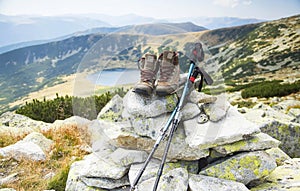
194,74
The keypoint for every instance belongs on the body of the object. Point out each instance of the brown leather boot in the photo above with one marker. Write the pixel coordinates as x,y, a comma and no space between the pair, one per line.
169,74
148,73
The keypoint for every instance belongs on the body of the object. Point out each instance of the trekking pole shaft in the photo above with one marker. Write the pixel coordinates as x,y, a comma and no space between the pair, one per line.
159,139
162,164
175,123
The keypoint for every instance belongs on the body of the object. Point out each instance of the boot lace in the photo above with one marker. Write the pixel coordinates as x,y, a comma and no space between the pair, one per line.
166,70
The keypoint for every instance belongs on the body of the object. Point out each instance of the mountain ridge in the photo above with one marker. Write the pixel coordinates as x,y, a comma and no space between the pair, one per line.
34,68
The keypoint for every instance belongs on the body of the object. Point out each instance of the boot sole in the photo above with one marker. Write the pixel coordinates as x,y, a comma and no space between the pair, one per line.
143,92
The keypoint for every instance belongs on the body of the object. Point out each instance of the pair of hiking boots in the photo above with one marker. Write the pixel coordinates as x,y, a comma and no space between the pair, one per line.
166,67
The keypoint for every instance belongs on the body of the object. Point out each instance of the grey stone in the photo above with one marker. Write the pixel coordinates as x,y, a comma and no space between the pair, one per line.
207,183
176,179
95,167
189,111
106,183
23,150
283,178
286,132
232,128
11,119
244,167
39,139
136,105
278,155
112,110
127,157
9,179
260,141
218,109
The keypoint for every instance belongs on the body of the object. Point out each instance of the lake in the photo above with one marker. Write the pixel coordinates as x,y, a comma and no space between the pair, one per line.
116,76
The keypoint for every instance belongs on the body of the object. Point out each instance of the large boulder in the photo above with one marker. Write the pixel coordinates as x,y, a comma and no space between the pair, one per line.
283,178
287,133
95,171
244,167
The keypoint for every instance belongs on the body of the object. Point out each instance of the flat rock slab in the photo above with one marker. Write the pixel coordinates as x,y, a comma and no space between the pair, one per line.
233,127
207,183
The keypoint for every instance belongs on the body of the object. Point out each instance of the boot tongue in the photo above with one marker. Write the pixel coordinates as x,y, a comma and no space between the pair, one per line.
149,62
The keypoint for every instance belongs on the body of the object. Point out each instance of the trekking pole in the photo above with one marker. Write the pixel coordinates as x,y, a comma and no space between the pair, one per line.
190,80
175,114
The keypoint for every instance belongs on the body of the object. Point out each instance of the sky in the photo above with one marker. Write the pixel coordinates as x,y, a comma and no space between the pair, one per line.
160,9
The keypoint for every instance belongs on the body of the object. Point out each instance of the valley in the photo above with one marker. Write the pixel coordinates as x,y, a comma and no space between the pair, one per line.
241,54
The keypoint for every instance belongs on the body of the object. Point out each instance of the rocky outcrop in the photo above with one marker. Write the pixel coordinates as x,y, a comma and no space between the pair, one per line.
228,151
279,122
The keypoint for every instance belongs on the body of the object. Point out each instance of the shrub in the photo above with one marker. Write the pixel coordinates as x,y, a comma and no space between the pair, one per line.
62,107
270,89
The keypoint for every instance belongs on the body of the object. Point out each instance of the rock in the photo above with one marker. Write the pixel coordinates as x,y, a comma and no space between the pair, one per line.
232,128
260,141
295,112
283,178
244,167
278,155
200,97
23,150
149,127
106,183
136,105
207,183
119,135
153,166
286,104
176,179
9,179
287,133
150,171
11,119
189,111
112,110
40,140
7,189
127,157
93,169
262,114
80,122
218,109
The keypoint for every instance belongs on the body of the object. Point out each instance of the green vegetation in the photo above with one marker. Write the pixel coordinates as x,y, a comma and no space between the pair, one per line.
67,106
270,89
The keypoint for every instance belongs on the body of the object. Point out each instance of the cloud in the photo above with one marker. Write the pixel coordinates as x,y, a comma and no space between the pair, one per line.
231,3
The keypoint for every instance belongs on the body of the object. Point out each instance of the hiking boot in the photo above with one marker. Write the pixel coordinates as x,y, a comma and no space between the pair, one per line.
148,73
168,74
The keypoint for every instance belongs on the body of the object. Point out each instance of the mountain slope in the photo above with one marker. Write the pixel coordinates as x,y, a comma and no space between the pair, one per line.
269,47
237,53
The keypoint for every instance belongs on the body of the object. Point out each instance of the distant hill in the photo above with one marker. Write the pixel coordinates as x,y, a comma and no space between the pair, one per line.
151,29
16,29
237,53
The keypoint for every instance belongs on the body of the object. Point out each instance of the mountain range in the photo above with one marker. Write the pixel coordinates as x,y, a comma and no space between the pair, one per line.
25,29
236,53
